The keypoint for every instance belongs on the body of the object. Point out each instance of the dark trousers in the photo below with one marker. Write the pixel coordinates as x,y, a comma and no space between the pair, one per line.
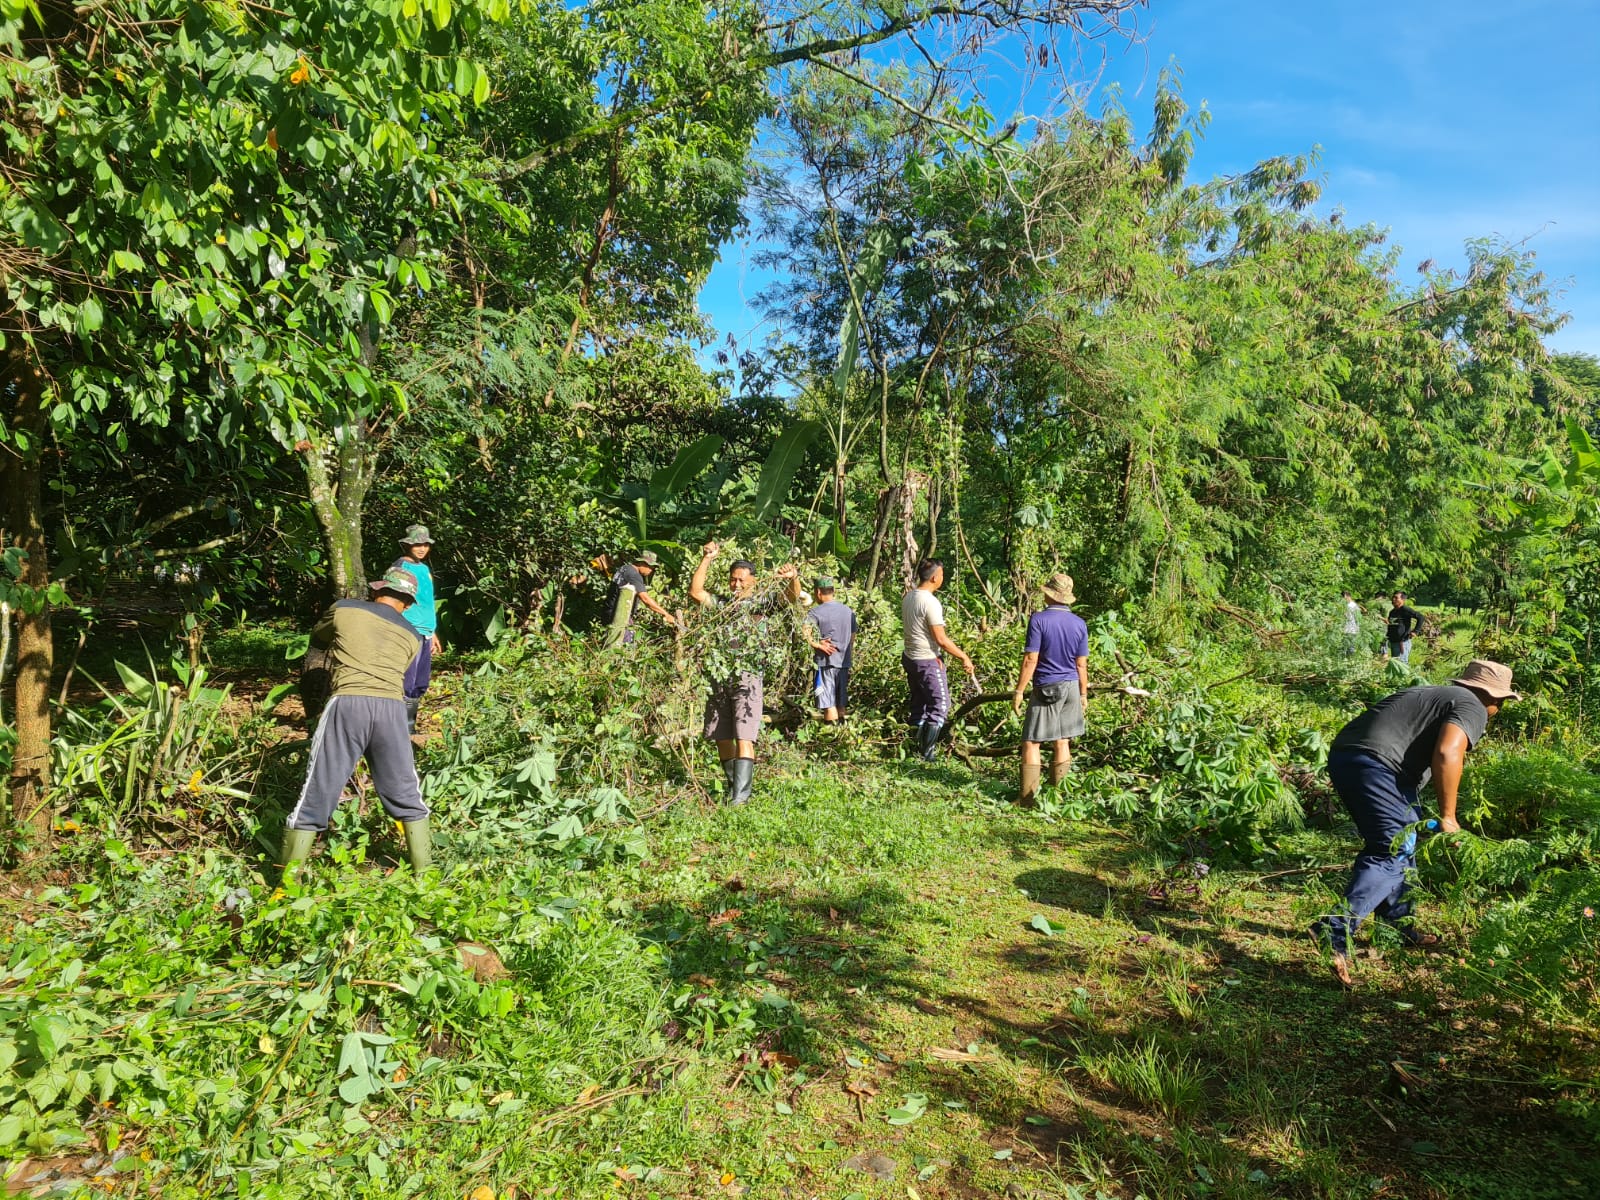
1381,806
929,688
353,727
420,673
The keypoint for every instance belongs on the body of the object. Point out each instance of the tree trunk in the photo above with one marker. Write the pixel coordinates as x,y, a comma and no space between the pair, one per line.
337,479
888,506
908,527
20,471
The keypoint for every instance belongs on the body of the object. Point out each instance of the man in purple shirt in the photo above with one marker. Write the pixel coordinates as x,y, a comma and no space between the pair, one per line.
1055,659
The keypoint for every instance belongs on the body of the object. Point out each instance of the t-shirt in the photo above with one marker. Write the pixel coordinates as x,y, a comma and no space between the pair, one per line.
627,575
1060,637
1403,622
1403,729
1352,617
423,616
369,648
920,611
836,623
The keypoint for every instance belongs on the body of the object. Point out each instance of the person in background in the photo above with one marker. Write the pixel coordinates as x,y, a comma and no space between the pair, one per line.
1378,763
370,645
733,709
834,625
1055,659
1352,625
1403,623
635,575
423,616
922,625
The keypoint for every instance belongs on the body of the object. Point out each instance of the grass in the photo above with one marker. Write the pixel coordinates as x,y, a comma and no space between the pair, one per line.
849,965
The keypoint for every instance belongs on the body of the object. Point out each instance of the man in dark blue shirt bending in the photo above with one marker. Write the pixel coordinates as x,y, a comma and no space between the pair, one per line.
1377,763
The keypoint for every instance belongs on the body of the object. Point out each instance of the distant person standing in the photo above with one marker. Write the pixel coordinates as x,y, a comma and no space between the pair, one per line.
1055,660
733,709
634,576
370,645
1403,623
833,624
423,616
1352,625
922,625
1377,764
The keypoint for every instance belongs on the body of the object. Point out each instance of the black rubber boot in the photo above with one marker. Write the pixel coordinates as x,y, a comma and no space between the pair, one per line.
411,713
930,740
917,732
744,775
730,771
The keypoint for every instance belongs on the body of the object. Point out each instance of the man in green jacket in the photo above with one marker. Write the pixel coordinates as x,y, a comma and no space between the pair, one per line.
369,645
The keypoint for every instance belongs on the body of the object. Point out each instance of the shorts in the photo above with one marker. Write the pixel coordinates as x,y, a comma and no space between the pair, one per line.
733,709
1054,713
831,685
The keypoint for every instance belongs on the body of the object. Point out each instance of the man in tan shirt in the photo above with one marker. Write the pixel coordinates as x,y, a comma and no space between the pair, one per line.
370,645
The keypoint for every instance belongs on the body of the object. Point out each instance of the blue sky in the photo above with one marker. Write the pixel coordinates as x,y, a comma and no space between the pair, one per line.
1440,121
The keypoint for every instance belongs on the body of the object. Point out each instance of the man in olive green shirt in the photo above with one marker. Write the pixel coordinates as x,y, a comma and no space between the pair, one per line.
370,645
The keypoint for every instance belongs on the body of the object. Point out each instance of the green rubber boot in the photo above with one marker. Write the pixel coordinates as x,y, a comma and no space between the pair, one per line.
297,845
419,844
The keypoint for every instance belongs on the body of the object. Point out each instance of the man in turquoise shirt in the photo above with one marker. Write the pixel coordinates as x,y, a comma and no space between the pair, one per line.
423,616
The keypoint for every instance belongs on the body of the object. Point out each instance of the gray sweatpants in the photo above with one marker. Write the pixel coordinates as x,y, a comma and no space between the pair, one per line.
352,727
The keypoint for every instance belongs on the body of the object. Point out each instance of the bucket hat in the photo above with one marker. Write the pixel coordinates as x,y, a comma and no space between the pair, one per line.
397,582
417,535
1058,589
1491,678
647,558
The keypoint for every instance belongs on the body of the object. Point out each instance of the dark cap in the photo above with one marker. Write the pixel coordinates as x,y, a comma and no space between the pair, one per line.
822,584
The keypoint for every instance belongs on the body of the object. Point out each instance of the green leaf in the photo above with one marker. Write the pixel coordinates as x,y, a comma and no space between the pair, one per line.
50,1034
480,88
1001,1155
689,462
138,686
1045,925
866,277
90,317
788,452
911,1109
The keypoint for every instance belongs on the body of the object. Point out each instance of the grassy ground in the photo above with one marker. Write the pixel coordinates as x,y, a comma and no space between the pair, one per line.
877,980
1153,1034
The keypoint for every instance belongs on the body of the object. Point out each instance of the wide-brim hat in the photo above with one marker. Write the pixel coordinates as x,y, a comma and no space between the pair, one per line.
1491,678
1058,589
397,582
417,535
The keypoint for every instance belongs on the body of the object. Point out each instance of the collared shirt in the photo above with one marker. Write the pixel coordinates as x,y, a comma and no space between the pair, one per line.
1060,638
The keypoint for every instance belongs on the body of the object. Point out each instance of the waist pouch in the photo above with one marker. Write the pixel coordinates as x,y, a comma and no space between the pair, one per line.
1053,693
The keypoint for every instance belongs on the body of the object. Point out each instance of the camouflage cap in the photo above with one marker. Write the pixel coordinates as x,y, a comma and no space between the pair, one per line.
397,581
647,558
417,535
